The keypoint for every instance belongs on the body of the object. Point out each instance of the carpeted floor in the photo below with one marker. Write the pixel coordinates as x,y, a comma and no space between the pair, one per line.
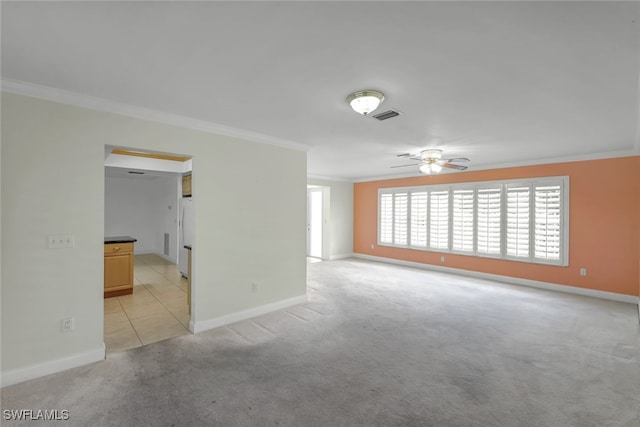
377,345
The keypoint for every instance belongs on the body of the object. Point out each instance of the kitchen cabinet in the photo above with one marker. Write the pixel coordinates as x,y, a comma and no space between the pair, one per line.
118,266
186,186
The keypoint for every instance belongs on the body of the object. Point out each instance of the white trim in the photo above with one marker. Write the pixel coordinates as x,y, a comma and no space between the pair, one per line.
239,316
143,252
494,166
414,174
51,367
152,252
637,140
507,279
341,256
161,255
101,104
166,258
327,178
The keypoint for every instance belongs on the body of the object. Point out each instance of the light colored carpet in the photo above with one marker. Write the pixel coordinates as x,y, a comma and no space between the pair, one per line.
377,345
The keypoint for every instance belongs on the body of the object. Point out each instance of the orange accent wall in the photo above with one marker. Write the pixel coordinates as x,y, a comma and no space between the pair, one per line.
604,224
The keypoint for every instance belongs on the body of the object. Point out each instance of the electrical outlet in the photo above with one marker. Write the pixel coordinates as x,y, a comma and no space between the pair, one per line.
372,246
67,324
254,287
57,241
583,271
442,259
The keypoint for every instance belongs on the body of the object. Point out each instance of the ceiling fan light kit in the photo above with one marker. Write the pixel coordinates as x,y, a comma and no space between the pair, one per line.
429,168
432,153
431,161
365,101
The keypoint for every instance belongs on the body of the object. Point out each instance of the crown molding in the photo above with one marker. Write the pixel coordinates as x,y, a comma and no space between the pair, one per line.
637,141
567,159
95,103
327,178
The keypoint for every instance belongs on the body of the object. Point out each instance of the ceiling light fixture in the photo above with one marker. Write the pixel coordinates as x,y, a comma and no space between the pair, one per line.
429,168
365,101
431,159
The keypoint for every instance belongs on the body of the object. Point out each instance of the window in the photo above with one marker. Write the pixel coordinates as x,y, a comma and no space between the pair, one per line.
463,217
386,217
525,220
518,222
439,220
547,221
400,218
419,219
488,234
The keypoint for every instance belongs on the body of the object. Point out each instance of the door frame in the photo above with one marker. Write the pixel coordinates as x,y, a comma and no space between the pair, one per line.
325,219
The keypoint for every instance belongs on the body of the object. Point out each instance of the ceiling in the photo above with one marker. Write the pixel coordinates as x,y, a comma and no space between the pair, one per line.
503,83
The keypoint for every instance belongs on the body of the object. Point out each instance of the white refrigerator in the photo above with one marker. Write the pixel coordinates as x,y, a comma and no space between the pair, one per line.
187,231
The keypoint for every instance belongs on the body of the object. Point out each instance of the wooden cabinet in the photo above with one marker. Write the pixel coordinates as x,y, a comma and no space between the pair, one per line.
186,186
118,269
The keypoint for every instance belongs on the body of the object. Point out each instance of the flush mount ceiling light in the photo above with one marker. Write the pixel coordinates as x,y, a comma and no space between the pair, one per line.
365,101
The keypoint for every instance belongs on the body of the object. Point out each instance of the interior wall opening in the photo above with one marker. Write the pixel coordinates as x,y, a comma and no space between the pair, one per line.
318,205
150,218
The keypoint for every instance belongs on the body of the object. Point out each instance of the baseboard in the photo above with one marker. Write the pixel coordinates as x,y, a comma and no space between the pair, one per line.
40,370
140,252
507,279
238,316
166,258
340,256
163,256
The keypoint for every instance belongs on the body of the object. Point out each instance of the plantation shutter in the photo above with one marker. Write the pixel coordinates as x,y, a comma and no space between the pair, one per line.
525,220
518,221
463,212
400,218
489,220
439,219
419,219
547,221
386,218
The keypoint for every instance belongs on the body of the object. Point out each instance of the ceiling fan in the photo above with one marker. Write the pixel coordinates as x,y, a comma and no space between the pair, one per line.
431,161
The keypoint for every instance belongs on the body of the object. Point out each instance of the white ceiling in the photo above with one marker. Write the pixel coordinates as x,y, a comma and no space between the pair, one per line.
503,83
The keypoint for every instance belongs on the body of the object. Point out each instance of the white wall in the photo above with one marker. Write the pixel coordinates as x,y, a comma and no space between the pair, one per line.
165,203
340,216
144,207
250,222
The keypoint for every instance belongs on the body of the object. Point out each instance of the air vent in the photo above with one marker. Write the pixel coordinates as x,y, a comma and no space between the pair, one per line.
387,115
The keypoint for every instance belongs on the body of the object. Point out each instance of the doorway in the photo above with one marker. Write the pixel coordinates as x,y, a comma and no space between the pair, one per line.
314,222
317,223
143,195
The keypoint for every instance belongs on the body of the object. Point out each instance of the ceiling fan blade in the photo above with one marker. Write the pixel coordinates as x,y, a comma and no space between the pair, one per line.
404,166
457,160
404,155
452,166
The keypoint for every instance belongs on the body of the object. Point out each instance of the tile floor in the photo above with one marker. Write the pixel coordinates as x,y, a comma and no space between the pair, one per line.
157,309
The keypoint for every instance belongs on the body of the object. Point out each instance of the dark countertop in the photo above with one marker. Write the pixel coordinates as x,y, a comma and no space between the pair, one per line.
187,247
119,239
